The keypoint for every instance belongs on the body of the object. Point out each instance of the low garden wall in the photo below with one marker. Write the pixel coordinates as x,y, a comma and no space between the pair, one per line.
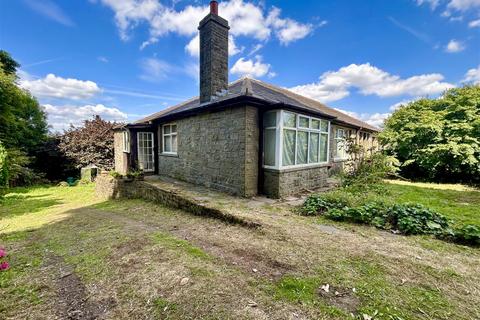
108,188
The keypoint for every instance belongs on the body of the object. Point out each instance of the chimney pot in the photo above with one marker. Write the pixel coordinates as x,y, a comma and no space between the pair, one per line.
214,7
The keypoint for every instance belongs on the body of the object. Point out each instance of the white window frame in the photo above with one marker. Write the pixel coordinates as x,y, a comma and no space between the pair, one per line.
171,134
126,141
340,139
279,140
151,136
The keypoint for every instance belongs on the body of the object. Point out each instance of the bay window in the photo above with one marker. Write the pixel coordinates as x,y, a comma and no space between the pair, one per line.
294,140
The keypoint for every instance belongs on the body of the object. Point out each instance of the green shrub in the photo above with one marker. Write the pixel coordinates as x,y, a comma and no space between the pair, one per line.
115,174
320,203
469,234
367,172
415,219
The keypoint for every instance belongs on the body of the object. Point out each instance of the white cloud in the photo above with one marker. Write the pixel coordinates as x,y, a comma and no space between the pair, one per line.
287,30
454,46
193,47
463,5
473,75
474,24
50,10
370,80
256,69
433,3
53,86
397,105
245,18
154,69
375,119
60,117
255,49
102,59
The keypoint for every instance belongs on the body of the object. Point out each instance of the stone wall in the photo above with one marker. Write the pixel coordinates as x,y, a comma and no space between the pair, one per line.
280,184
218,150
108,188
121,158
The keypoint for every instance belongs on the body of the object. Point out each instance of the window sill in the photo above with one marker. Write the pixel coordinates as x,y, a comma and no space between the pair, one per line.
299,168
172,155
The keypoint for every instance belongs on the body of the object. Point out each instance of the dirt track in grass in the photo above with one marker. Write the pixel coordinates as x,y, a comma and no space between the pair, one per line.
136,260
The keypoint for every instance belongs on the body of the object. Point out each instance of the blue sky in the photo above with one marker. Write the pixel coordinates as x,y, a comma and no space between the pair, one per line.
124,59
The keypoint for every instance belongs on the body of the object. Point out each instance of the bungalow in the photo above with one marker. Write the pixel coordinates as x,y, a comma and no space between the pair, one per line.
245,138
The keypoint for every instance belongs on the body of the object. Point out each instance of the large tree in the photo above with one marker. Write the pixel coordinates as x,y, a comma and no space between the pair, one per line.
438,139
23,124
90,144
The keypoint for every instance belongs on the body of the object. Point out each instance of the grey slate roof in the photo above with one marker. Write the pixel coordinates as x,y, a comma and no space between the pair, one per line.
266,92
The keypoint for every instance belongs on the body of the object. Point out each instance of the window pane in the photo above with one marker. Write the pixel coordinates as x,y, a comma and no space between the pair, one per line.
269,119
269,147
289,120
166,129
167,145
315,124
174,128
174,143
324,148
339,134
302,147
324,126
288,147
340,149
303,122
313,151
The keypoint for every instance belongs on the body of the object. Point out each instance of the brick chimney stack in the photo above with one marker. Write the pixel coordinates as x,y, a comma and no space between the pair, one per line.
213,54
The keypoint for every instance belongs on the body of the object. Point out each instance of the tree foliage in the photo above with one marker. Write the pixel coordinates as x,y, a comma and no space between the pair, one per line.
3,169
9,65
438,139
90,144
23,123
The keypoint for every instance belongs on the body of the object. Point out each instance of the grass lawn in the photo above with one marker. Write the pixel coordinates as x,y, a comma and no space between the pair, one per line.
74,256
457,202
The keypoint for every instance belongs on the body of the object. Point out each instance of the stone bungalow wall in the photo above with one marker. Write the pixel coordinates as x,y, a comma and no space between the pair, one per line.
121,158
283,183
218,150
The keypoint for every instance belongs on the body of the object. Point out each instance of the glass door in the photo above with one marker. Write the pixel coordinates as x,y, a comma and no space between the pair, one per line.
146,157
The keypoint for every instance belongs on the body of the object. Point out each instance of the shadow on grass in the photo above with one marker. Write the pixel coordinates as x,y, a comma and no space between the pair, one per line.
19,204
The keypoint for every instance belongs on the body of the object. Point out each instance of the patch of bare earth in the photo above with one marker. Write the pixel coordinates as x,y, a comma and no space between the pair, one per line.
72,300
341,298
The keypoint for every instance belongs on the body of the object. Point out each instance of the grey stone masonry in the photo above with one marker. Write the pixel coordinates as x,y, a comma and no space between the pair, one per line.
218,150
213,56
121,158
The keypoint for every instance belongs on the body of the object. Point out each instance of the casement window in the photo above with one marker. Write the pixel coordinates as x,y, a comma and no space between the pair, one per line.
126,141
146,158
169,135
294,140
340,144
